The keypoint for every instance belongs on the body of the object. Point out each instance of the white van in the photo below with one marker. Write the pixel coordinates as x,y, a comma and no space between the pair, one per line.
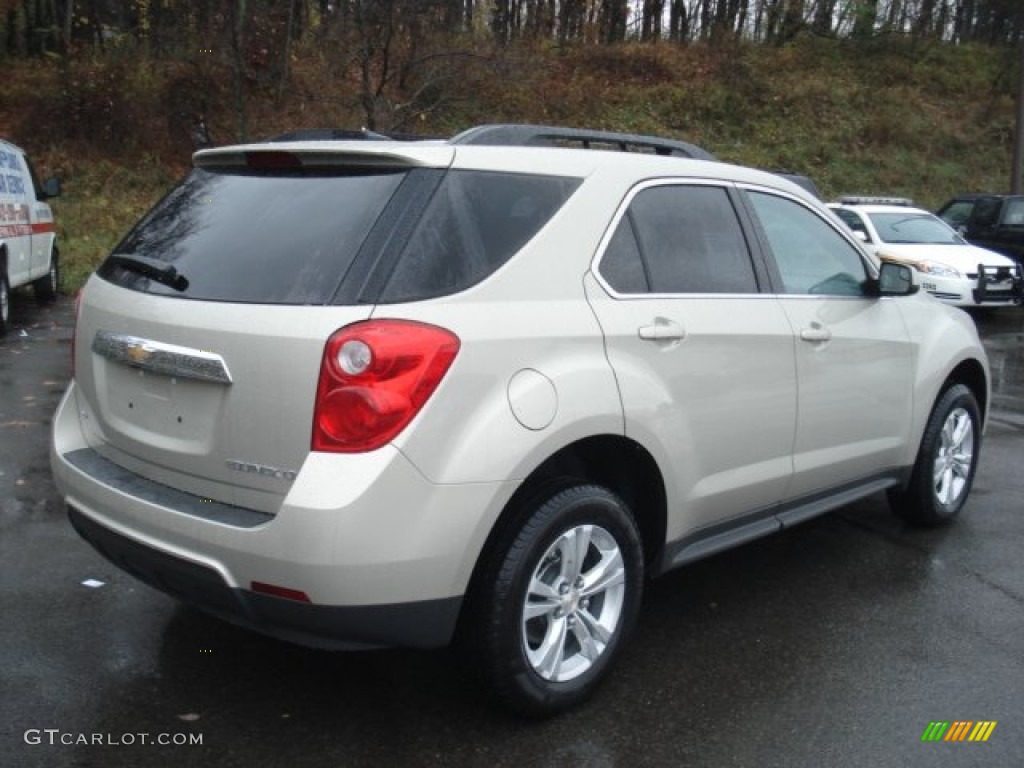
28,247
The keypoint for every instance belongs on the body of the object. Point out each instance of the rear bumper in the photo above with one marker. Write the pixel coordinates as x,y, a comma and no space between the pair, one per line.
423,624
383,555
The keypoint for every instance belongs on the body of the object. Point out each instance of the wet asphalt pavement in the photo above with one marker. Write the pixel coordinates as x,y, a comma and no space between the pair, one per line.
833,644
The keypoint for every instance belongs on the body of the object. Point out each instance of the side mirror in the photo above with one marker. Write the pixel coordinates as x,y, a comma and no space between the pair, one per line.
961,230
861,235
51,188
895,280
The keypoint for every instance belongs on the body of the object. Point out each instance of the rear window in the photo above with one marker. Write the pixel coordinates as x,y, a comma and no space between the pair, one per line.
475,222
254,237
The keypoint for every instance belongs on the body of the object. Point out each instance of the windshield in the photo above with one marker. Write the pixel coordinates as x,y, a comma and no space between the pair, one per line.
914,228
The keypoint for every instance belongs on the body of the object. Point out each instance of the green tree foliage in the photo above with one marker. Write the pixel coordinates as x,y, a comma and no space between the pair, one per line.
168,27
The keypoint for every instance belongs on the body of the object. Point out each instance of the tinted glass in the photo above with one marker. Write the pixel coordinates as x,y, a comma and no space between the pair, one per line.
986,212
621,266
1014,215
957,213
475,222
811,256
691,241
275,239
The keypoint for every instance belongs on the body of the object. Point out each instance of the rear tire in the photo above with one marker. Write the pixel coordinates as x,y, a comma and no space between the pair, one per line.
946,461
47,286
5,304
558,600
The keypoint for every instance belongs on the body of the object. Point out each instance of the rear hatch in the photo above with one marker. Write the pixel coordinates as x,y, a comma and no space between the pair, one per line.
200,338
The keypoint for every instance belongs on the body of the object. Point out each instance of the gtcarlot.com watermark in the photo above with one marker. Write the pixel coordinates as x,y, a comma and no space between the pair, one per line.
56,737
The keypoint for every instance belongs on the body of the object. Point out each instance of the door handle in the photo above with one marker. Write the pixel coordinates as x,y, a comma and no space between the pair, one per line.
816,333
662,329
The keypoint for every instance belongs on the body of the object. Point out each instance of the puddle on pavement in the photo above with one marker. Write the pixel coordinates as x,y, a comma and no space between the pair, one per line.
1006,362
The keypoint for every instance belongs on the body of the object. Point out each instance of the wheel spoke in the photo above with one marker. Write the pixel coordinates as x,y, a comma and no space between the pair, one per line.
944,487
593,628
590,648
548,658
541,599
947,433
534,610
573,547
542,590
607,573
962,464
961,430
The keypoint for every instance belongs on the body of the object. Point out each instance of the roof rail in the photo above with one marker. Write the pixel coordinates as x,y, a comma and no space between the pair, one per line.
513,135
802,181
346,134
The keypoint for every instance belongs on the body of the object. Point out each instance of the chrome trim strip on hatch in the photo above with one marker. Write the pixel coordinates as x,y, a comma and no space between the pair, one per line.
158,357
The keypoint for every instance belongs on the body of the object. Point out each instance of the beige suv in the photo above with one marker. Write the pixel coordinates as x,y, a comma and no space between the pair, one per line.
360,393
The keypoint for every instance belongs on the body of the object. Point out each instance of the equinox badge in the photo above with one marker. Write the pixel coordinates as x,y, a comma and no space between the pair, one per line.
260,469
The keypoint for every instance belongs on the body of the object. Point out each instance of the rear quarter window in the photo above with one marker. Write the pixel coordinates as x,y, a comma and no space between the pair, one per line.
475,222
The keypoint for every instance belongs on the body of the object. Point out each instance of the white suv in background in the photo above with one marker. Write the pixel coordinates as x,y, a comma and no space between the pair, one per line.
356,393
945,265
28,247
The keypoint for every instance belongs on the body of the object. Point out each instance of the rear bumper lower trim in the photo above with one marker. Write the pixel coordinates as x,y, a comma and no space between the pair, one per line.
420,624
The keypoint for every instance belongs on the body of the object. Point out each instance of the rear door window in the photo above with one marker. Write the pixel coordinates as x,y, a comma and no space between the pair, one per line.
281,238
677,238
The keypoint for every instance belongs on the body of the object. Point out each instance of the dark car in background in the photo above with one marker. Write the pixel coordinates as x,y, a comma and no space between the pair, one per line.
991,221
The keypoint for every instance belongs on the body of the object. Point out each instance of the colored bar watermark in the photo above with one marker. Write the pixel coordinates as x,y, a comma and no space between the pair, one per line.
959,730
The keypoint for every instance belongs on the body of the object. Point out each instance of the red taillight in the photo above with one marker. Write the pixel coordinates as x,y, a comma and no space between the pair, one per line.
374,378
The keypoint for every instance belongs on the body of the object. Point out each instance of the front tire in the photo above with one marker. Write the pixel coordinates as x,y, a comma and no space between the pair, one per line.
946,461
559,599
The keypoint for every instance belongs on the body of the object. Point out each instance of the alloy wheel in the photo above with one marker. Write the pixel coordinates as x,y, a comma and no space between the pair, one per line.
573,603
954,457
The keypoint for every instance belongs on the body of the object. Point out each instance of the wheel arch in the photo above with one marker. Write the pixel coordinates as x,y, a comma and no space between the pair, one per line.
615,462
971,374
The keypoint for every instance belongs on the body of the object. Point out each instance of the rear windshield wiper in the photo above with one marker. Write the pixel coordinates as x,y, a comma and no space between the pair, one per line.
154,269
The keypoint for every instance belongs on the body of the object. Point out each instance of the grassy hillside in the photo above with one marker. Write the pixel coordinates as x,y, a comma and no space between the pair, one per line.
882,117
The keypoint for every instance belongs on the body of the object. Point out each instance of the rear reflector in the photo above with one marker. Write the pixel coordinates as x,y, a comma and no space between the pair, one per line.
276,591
